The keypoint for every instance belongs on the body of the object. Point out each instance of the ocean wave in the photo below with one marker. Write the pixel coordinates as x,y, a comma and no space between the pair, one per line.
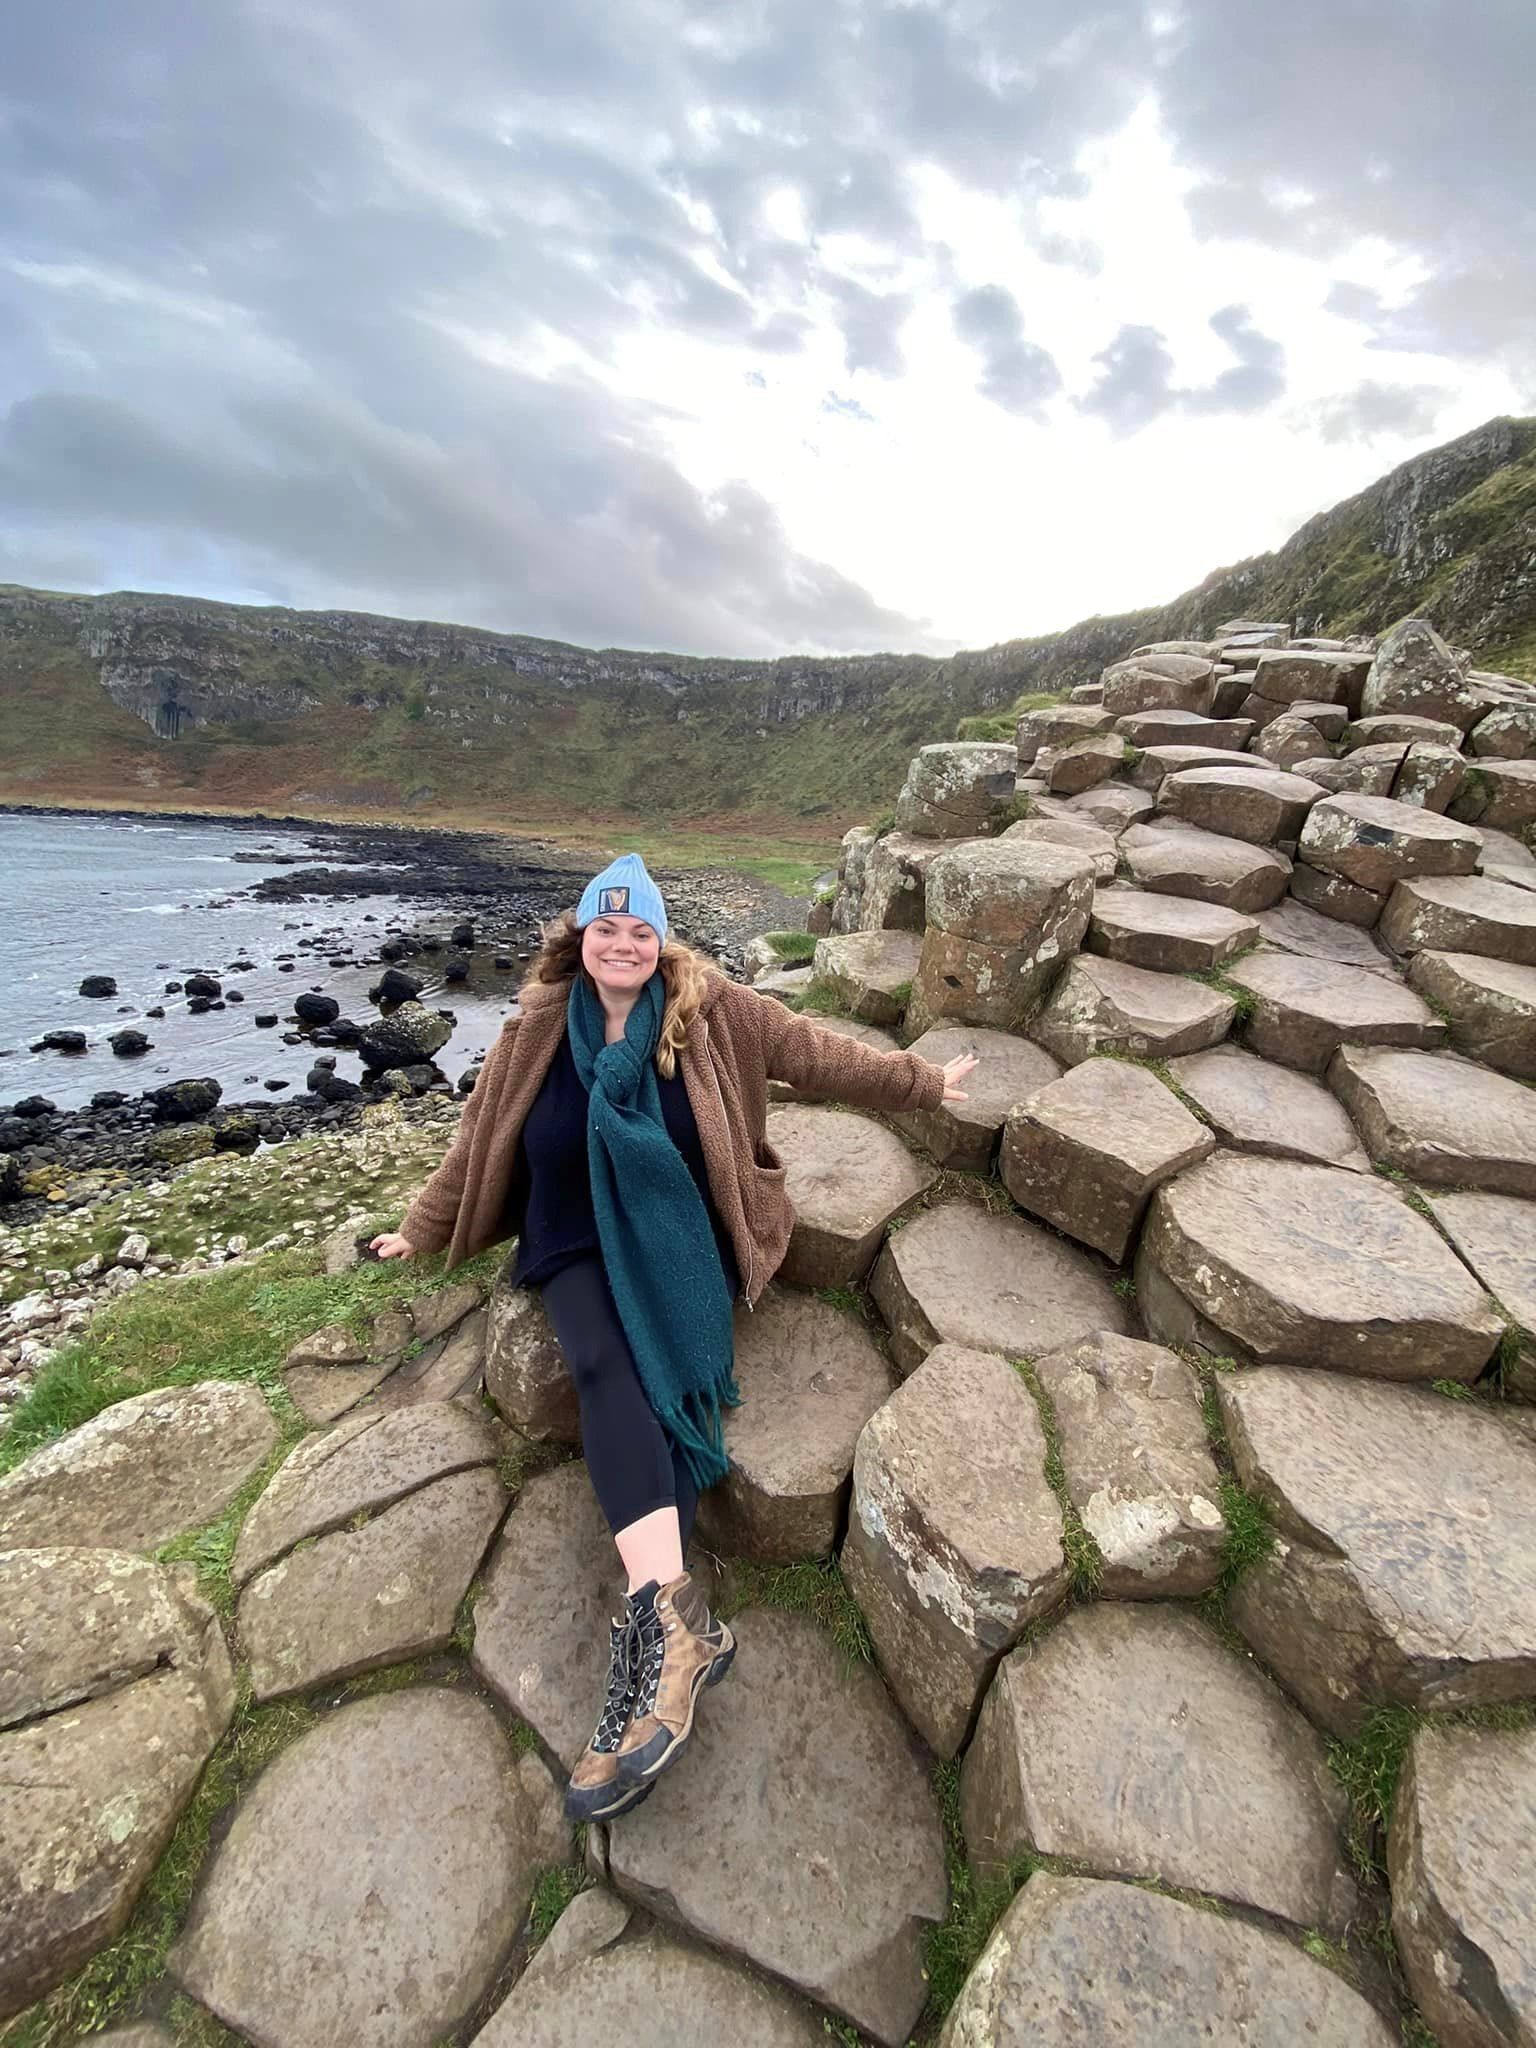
153,909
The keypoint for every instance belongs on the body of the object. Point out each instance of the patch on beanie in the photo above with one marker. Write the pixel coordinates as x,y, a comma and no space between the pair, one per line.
612,900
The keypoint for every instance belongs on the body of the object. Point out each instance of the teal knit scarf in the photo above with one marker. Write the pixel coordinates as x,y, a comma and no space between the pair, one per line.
658,1248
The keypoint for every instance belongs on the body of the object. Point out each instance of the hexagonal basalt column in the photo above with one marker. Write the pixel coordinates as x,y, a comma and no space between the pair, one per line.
954,790
870,973
1462,914
1375,842
964,1135
1099,1006
1304,1010
1002,918
1441,1118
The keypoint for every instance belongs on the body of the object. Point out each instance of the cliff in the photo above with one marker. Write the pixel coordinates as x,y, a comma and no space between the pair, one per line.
133,697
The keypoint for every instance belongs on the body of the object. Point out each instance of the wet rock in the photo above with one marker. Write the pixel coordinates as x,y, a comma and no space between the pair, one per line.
1462,914
1405,1570
651,1991
954,1538
962,1275
128,1043
1491,1005
1462,1853
1131,1740
142,1471
1073,1962
1304,1010
1295,928
1254,1106
315,1009
115,1686
957,789
1166,934
98,985
1002,917
1327,895
1414,671
856,1813
1085,1152
1137,1464
525,1370
411,1035
399,1815
1178,860
1259,805
1100,1006
847,1178
964,1135
184,1101
870,973
394,985
1439,1118
810,1377
1279,1262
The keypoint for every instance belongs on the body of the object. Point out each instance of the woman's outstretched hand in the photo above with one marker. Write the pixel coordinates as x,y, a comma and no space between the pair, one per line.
389,1244
955,1071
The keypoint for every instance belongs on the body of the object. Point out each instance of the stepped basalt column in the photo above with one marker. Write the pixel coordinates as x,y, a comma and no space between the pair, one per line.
1003,918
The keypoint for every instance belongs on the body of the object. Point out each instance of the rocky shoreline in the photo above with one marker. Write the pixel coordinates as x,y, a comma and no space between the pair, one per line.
476,906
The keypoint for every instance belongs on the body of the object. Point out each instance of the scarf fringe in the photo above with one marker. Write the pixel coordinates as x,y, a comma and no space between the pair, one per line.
695,1430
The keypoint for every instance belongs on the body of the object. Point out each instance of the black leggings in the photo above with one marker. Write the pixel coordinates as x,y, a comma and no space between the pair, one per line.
634,1470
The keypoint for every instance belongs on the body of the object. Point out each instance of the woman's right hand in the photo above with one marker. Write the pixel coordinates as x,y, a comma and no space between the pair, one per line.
389,1244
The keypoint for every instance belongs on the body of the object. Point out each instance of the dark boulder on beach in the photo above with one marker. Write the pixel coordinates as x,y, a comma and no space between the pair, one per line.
108,1098
266,1020
181,1102
10,1178
462,935
60,1041
202,985
316,1009
331,1087
456,970
35,1105
16,1131
413,1034
128,1043
98,985
394,985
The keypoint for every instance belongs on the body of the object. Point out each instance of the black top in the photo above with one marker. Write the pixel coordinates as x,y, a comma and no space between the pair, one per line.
554,1183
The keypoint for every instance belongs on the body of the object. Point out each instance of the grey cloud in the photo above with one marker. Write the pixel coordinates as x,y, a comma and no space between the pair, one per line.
1353,301
1372,409
845,408
1135,384
871,324
1016,374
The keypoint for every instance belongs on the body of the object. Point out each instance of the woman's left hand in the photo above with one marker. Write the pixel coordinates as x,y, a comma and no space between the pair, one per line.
955,1071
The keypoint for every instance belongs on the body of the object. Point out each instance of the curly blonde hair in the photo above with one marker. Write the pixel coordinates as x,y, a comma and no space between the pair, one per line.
682,971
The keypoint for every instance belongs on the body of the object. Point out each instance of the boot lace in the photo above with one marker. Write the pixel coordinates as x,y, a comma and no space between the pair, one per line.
651,1649
623,1677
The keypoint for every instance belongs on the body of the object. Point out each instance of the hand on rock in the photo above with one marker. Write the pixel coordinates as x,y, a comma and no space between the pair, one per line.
389,1244
955,1071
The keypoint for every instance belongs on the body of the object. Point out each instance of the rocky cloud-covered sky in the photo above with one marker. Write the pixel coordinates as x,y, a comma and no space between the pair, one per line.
741,329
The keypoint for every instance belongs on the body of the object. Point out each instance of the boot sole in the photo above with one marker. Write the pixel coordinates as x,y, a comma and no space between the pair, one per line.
645,1766
605,1805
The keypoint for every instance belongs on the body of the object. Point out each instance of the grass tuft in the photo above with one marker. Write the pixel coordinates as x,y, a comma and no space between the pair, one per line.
952,1948
815,1588
1084,1558
792,949
551,1895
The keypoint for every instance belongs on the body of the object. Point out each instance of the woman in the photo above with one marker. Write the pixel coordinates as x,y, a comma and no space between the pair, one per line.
618,1128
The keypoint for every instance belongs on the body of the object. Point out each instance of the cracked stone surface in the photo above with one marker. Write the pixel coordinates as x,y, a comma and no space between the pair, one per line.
1500,794
847,1177
526,1374
143,1470
1185,729
1255,1106
373,1878
360,1597
1304,1009
115,1685
1439,1118
961,1275
1079,1964
1180,860
1279,1262
1491,1005
598,1977
1496,1235
1131,1740
810,1377
1414,671
854,1821
964,1135
868,972
896,881
1462,914
1297,929
1331,896
954,1538
1056,725
1084,1153
1079,835
1102,1006
1156,763
1462,1857
953,790
1159,682
1405,1570
1138,1465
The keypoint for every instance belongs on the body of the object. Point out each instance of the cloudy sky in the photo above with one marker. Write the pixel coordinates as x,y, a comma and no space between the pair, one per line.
741,328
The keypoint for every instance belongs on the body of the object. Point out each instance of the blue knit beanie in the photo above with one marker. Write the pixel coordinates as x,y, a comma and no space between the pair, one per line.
623,889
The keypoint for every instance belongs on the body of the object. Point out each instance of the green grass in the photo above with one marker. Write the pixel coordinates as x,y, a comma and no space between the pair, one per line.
1085,1560
815,1588
553,1892
1213,977
952,1948
1370,1766
792,949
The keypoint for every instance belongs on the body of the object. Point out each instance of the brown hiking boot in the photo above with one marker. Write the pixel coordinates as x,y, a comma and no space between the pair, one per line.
682,1649
594,1792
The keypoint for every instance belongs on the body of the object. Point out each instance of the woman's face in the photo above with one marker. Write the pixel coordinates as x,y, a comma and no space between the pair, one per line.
620,953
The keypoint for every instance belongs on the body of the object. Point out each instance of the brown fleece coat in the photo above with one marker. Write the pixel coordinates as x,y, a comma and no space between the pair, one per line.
738,1042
